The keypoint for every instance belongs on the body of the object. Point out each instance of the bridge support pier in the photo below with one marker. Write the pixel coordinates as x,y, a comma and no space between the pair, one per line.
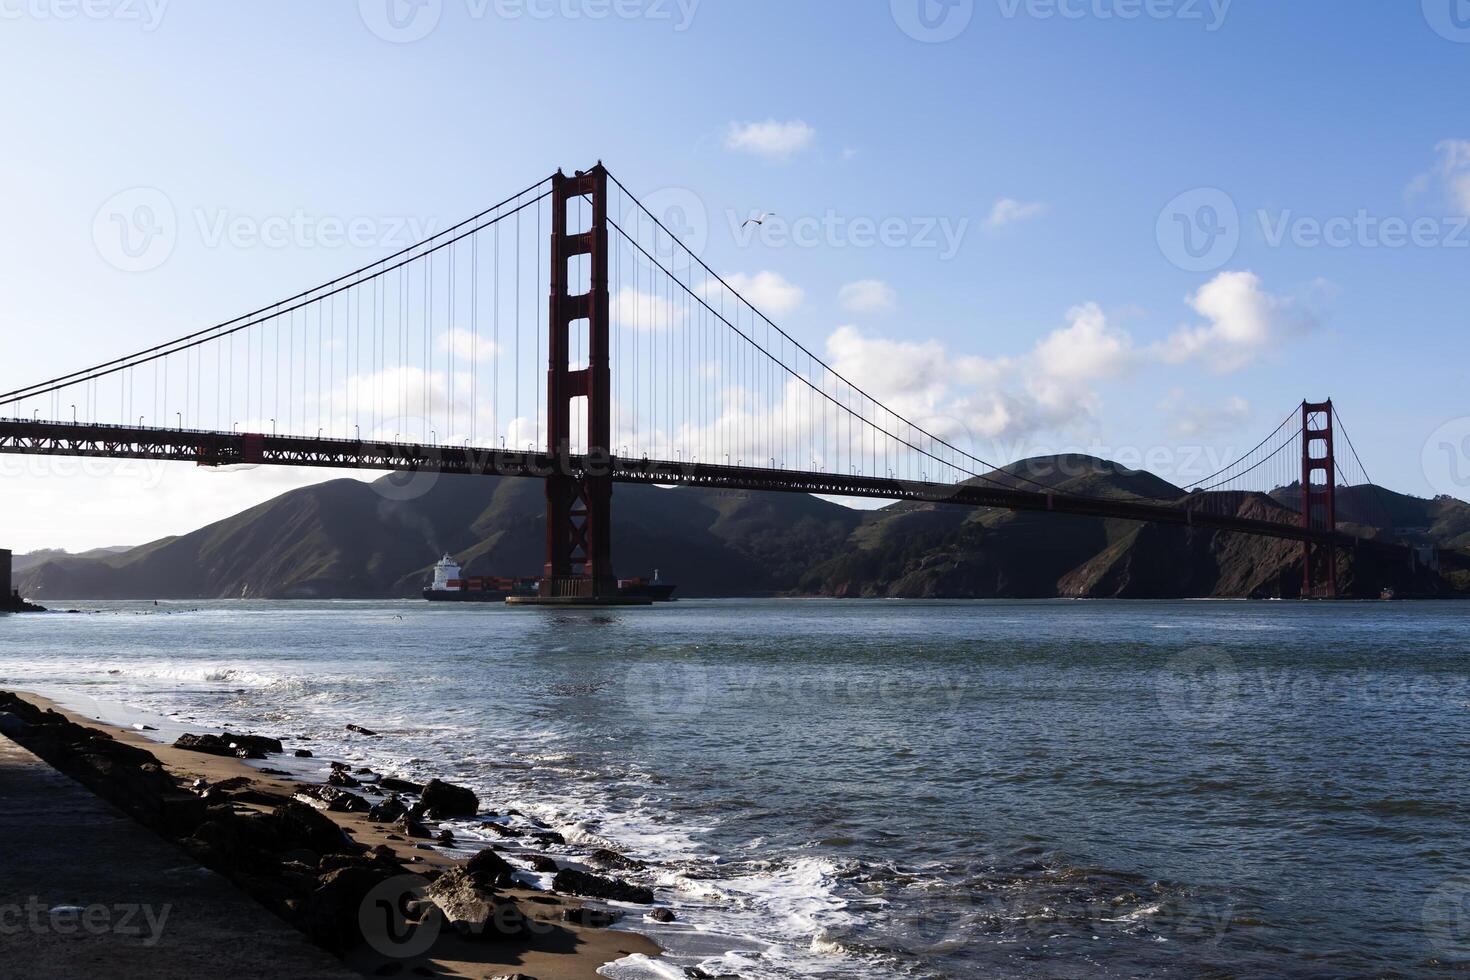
1319,500
579,568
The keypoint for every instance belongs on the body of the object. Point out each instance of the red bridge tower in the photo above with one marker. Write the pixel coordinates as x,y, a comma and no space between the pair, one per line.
1319,500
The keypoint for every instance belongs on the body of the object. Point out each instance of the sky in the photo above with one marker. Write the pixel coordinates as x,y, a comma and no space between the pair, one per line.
1141,228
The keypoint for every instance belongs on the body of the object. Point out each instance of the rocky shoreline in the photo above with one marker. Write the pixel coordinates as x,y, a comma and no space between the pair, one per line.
13,603
356,863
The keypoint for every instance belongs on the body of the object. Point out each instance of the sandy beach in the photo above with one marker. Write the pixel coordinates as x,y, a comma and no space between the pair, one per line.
550,935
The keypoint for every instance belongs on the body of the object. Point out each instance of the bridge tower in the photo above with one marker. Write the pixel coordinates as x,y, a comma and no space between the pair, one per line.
579,493
1319,499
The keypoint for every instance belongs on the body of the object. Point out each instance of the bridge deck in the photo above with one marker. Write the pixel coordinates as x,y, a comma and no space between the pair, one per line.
211,448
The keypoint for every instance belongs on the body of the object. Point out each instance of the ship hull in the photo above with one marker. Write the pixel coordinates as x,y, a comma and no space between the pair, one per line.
437,595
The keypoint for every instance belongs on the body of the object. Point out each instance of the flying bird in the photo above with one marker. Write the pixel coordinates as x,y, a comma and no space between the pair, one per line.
761,220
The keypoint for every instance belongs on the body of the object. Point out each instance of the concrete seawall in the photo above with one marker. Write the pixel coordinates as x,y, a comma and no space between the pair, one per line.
87,892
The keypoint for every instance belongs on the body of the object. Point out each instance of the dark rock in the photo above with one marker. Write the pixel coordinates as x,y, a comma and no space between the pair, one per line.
542,863
489,869
574,882
225,786
387,811
591,918
401,785
550,837
500,830
612,859
208,744
360,730
662,915
445,800
339,777
300,856
256,743
12,726
299,825
333,909
302,753
409,827
267,771
446,837
334,799
473,911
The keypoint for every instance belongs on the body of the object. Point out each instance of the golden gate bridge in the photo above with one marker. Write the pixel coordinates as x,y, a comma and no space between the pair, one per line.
657,371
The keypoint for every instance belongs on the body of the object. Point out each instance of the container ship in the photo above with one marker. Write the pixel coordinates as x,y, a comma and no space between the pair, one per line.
451,585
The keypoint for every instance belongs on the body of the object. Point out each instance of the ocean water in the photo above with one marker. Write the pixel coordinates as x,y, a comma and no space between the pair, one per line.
855,789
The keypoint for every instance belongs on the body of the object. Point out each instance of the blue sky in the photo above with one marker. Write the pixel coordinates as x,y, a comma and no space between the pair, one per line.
1059,145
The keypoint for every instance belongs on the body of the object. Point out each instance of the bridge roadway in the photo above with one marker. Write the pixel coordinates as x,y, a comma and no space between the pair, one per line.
213,448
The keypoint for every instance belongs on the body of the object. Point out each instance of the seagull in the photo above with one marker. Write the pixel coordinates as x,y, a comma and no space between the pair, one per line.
761,220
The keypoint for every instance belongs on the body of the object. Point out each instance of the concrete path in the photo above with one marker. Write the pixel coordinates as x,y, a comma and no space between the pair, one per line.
88,894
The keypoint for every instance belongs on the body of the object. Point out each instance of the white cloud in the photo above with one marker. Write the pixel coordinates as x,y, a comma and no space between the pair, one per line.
771,139
467,346
1085,350
636,309
977,397
1450,176
1243,323
1008,210
768,292
1190,417
868,296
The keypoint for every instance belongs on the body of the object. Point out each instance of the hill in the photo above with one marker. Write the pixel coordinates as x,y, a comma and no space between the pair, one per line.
349,539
